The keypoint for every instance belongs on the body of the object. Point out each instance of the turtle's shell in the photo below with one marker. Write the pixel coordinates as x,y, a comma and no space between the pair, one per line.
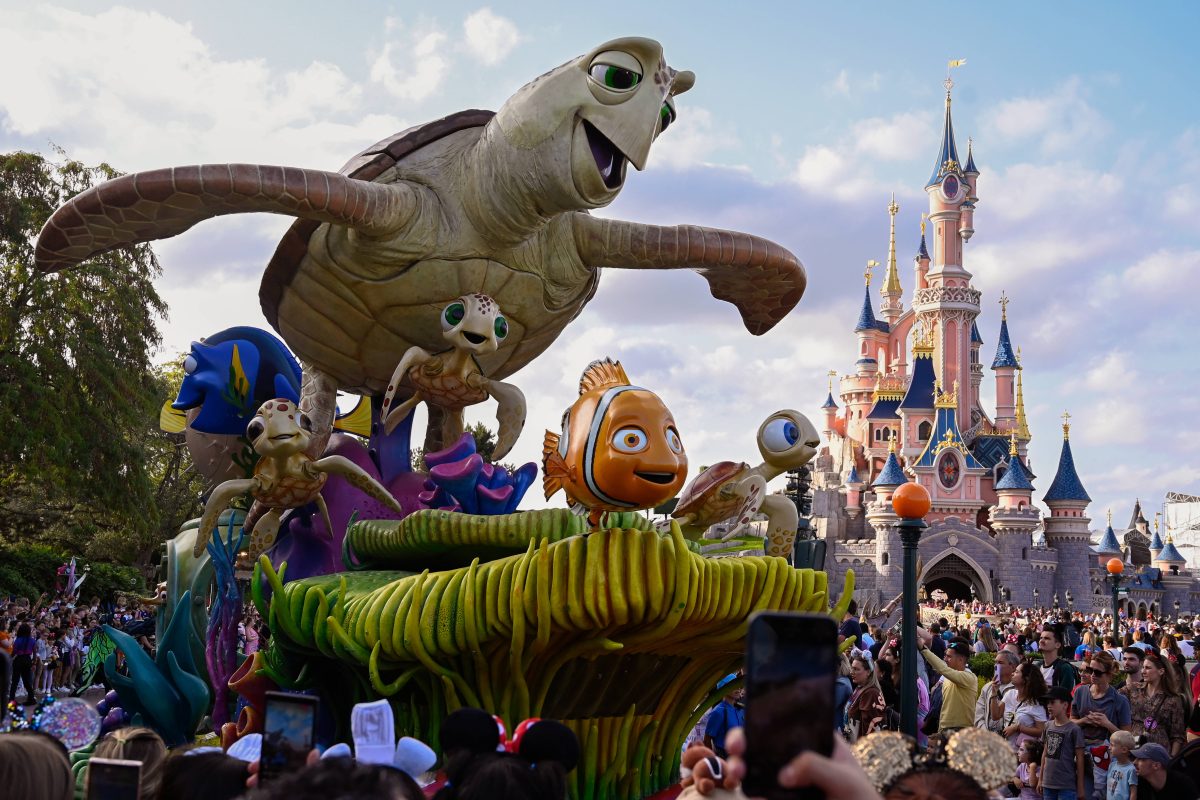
698,494
351,308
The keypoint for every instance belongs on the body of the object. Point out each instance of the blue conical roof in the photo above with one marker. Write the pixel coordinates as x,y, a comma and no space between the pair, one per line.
891,475
1005,357
922,251
920,389
1156,542
1066,484
1108,543
970,169
866,317
853,476
975,337
829,402
1171,554
948,151
1016,477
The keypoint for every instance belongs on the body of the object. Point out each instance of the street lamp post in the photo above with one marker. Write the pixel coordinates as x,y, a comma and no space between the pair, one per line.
1070,601
1056,601
1115,568
1035,597
911,503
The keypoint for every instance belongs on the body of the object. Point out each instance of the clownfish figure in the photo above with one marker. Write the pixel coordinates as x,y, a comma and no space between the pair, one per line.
619,449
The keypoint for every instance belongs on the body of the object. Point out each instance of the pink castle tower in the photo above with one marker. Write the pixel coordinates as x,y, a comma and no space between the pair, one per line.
949,304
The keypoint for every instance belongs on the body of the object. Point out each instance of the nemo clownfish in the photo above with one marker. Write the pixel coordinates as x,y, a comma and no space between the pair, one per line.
619,449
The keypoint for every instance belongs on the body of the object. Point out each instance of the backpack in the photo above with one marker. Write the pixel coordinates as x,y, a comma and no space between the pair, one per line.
1061,664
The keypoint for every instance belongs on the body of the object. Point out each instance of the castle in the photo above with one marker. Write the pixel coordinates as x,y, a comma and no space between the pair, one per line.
911,411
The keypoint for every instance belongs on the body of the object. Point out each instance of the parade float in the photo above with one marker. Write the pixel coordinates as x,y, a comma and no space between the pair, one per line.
433,266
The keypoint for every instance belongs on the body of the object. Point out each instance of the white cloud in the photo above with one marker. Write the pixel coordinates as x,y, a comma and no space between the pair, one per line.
692,140
898,138
1100,374
413,65
1059,121
1025,191
843,84
489,37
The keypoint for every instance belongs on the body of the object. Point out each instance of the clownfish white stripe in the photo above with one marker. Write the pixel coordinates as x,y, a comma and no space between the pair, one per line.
589,453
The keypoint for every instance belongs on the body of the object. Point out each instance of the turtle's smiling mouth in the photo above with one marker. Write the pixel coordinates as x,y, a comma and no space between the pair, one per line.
609,160
474,338
662,478
283,437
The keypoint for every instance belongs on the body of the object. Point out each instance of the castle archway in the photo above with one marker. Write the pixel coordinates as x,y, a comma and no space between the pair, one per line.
956,573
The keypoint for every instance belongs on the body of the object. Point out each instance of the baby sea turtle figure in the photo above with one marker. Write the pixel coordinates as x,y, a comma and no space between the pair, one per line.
730,490
285,477
452,380
474,202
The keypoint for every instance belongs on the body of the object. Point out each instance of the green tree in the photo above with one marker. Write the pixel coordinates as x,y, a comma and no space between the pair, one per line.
485,445
76,386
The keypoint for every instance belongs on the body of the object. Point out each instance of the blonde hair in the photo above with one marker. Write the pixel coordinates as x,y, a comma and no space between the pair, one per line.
1123,738
137,744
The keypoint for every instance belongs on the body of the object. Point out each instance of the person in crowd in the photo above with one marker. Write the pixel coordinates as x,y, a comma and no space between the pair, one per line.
866,709
850,625
1110,646
1139,640
989,708
1024,714
137,744
344,779
1131,664
985,640
24,648
202,776
842,689
1122,774
1156,705
34,766
1156,779
1064,763
960,688
1028,760
1086,647
891,655
1170,651
1100,712
727,715
1056,670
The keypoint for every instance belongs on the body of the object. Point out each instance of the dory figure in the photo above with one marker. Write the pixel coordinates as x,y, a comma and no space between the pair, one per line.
619,449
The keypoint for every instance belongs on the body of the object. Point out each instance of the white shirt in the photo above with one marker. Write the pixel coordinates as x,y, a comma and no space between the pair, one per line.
1185,647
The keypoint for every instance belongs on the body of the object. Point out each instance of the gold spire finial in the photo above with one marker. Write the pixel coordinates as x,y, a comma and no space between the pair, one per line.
872,264
892,445
1110,518
1157,515
832,374
924,217
891,280
1012,443
1003,306
1019,357
1022,422
1066,418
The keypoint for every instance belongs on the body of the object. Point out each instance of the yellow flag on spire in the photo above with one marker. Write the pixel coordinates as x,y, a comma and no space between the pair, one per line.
958,62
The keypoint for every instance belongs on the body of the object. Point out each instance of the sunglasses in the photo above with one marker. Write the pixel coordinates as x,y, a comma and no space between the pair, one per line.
1090,671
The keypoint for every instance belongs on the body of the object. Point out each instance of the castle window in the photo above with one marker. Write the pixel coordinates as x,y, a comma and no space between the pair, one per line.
884,562
1024,554
924,430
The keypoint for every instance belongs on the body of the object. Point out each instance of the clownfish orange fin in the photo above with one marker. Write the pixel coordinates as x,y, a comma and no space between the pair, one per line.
554,468
602,372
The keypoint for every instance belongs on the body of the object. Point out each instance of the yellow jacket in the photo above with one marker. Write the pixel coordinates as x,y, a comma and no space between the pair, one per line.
959,692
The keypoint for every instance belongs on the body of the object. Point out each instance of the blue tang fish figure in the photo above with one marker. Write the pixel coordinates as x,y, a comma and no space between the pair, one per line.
231,373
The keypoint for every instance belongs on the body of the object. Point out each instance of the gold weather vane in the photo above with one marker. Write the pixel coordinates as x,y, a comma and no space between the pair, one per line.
924,216
948,83
1012,443
1110,518
1003,306
1066,418
832,374
872,264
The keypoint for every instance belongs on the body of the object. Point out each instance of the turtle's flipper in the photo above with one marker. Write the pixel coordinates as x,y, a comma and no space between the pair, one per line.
510,413
782,520
218,501
358,477
264,533
161,203
394,415
752,489
761,278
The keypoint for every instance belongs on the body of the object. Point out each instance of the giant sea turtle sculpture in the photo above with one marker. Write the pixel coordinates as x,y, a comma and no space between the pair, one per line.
730,490
474,202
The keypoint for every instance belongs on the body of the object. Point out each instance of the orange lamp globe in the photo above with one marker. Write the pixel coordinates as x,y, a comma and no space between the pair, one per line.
911,501
1114,566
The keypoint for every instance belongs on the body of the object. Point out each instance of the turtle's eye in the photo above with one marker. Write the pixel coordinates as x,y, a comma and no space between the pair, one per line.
673,441
610,76
454,314
190,364
306,423
630,440
255,428
501,327
666,115
780,434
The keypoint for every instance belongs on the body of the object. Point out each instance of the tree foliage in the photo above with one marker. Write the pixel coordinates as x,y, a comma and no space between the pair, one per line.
485,446
78,397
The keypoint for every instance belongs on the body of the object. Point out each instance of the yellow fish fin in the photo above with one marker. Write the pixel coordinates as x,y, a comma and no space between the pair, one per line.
554,468
171,420
602,372
357,420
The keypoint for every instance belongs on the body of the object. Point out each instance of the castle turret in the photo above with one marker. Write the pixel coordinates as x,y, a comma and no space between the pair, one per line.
892,306
854,486
1108,546
1067,526
916,409
883,518
966,226
1169,558
921,260
1005,366
1013,519
830,407
1156,543
872,334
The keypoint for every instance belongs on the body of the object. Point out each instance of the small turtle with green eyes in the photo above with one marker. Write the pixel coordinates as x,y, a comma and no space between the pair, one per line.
453,379
730,490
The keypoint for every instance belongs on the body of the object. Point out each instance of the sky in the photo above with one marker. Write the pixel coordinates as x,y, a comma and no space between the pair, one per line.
805,117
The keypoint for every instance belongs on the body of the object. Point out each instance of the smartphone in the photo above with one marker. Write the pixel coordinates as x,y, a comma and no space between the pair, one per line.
996,676
289,730
791,666
114,779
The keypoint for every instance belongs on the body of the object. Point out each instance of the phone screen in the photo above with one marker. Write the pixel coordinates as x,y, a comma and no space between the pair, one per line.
791,662
288,732
113,779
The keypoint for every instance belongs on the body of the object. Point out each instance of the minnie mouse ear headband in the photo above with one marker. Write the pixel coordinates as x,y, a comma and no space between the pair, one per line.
470,729
973,759
545,740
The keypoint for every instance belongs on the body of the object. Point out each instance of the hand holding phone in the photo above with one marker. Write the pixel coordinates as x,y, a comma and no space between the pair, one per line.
289,730
791,661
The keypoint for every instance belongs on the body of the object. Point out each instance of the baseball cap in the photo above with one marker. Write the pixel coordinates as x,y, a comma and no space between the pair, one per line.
1057,693
962,648
1153,752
